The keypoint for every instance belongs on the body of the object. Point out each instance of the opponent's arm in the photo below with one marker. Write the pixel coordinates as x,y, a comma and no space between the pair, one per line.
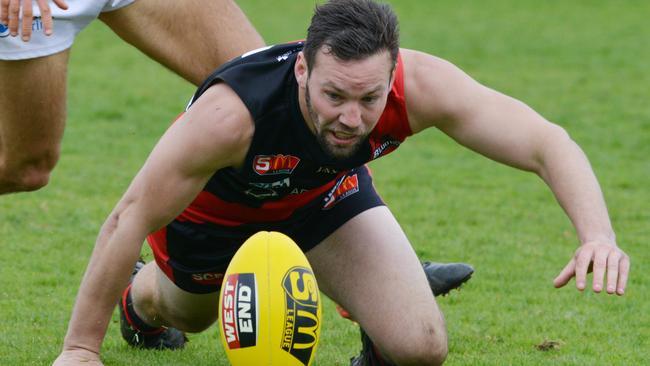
214,133
10,12
506,130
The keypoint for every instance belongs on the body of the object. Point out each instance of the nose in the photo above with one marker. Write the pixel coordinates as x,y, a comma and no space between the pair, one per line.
351,115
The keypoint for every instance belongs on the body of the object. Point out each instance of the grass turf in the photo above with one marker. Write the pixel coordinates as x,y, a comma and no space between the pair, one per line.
580,64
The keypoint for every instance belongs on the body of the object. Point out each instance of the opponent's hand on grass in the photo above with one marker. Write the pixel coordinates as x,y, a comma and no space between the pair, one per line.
10,15
601,258
78,357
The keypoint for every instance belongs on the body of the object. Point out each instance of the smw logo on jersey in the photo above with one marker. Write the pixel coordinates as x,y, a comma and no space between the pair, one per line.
239,313
275,164
301,315
4,31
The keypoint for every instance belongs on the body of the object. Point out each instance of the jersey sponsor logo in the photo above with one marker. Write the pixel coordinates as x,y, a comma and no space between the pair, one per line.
284,56
345,187
275,164
286,182
4,31
383,147
208,278
239,310
261,194
301,313
298,191
326,170
262,190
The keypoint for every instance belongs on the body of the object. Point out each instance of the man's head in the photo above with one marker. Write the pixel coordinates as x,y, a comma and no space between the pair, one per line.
352,30
345,71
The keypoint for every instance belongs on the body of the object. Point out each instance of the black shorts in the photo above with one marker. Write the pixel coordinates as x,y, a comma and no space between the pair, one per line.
195,256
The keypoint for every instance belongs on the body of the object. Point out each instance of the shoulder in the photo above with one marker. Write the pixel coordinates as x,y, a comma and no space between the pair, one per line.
221,124
435,89
260,77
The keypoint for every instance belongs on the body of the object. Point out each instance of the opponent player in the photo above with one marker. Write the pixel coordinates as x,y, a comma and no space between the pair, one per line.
190,37
277,140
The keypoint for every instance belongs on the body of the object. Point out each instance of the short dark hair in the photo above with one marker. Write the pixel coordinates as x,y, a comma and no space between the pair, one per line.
352,30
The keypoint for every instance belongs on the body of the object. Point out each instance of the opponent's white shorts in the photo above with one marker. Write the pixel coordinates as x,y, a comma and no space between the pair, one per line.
67,23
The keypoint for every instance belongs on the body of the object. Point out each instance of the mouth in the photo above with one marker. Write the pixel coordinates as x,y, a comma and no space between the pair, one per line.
343,138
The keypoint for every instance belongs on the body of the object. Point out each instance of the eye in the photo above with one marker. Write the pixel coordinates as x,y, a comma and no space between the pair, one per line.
333,96
369,99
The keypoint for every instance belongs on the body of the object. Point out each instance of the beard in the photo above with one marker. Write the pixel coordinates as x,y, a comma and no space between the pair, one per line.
333,150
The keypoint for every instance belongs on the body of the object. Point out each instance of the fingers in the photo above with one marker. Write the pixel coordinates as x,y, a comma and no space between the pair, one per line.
61,4
566,274
610,265
13,14
583,259
4,12
10,16
600,264
617,264
612,272
46,16
28,18
623,270
77,357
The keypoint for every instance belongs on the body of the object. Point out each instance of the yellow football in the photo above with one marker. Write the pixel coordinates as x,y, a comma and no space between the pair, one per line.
269,305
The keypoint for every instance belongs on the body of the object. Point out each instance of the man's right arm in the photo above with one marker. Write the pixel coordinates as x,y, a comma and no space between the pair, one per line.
214,133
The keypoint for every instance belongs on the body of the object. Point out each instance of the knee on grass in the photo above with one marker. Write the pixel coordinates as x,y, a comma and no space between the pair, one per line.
429,349
194,322
29,174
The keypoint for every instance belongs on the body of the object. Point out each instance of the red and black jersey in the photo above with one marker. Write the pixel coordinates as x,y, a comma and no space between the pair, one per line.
285,168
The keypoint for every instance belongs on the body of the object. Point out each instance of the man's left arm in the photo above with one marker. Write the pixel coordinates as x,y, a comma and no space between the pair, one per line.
506,130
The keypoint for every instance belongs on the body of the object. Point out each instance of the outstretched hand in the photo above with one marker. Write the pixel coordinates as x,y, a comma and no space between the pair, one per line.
78,357
10,14
601,258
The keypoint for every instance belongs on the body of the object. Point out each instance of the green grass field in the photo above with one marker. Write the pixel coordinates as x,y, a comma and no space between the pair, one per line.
582,64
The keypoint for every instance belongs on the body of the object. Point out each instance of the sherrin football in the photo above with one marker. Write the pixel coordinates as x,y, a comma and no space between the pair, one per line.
269,305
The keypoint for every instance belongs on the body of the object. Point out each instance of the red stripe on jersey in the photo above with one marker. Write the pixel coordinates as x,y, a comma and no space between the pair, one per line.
209,208
158,243
394,120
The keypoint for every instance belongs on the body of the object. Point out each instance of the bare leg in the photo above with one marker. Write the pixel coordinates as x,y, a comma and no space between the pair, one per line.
159,302
369,267
190,37
32,119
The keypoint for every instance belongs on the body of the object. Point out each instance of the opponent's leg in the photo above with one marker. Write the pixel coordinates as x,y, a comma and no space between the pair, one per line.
191,37
32,119
369,267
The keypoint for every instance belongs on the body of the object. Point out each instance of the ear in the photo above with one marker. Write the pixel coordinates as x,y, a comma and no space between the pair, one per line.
300,70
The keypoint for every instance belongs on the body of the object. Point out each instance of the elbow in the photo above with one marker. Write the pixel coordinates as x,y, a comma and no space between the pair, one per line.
111,222
558,133
555,144
108,229
115,219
